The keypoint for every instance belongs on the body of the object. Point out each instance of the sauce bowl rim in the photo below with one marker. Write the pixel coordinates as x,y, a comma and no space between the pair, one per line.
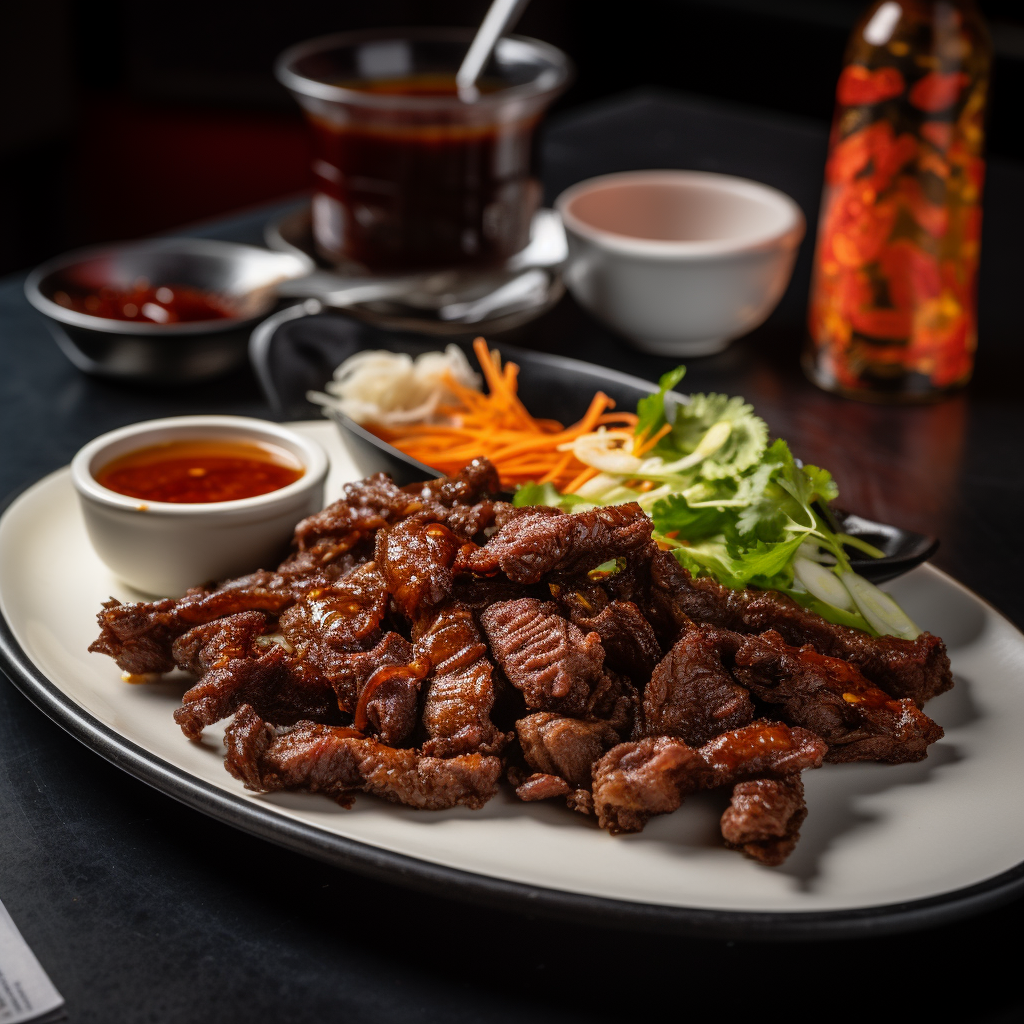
309,453
788,236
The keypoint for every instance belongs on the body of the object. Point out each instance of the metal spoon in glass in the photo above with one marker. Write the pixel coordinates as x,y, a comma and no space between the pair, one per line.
499,19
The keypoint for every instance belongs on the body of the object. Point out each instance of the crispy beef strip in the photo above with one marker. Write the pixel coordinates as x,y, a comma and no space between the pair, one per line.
460,689
275,682
542,787
139,636
564,747
637,780
859,721
305,674
630,644
692,694
614,700
349,672
532,543
338,616
415,558
543,655
477,482
379,687
365,506
764,817
337,761
918,669
389,702
214,644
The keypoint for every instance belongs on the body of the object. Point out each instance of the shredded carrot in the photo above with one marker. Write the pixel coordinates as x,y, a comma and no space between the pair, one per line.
497,425
643,447
574,485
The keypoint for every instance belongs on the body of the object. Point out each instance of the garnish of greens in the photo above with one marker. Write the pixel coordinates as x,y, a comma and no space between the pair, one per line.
729,504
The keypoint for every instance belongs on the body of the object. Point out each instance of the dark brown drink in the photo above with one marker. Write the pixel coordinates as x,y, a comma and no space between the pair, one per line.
410,175
406,196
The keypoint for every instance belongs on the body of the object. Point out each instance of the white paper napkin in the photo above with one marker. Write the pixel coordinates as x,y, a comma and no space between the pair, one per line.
26,993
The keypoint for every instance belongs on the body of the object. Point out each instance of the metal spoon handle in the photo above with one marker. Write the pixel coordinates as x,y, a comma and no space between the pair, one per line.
334,290
500,17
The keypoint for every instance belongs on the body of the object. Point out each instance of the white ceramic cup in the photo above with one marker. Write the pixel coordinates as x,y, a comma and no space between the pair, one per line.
163,548
680,262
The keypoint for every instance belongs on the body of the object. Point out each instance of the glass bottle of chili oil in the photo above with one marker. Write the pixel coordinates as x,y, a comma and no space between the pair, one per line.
893,312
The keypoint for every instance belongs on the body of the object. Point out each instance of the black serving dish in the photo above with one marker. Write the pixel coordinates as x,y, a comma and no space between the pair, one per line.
297,350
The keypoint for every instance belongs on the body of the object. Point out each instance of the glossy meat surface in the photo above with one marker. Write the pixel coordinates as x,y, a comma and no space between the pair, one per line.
532,544
637,780
544,656
422,643
763,818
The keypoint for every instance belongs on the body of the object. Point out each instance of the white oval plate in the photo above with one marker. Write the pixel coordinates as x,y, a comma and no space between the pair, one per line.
884,848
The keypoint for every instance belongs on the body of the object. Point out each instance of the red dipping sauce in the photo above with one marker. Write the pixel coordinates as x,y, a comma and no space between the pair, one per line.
145,303
196,472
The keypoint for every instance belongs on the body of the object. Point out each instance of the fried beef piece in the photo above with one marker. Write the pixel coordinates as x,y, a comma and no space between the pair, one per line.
761,748
276,683
859,721
308,673
388,703
366,505
473,483
338,616
629,643
214,644
637,780
350,524
764,818
614,700
564,747
460,690
918,669
415,558
139,636
692,694
337,761
543,655
532,543
542,787
349,673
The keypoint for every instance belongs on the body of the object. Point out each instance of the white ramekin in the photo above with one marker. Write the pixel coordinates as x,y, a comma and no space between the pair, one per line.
680,262
163,548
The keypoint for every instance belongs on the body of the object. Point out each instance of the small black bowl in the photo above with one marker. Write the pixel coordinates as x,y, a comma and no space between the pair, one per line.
296,351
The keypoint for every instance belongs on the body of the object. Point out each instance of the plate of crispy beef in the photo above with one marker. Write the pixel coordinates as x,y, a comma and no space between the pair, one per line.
448,692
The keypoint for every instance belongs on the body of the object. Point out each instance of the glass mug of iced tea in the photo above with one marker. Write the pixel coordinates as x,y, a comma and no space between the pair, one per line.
409,175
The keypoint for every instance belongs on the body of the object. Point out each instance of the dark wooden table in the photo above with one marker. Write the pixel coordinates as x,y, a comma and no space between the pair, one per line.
143,910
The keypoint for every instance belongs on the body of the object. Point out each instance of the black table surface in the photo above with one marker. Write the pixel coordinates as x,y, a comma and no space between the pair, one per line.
141,909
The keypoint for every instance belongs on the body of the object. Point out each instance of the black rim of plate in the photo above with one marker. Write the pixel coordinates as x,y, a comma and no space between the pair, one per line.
435,879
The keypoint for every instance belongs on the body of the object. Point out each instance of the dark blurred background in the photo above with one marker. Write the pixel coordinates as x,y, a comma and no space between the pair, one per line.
123,119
